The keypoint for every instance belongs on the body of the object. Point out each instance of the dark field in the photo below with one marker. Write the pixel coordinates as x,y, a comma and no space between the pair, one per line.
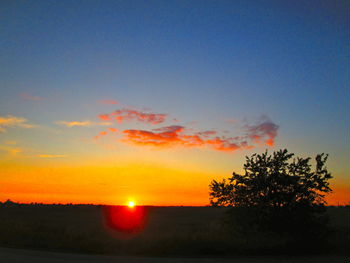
167,231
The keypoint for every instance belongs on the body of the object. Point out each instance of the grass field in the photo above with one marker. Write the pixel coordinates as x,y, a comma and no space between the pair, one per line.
166,231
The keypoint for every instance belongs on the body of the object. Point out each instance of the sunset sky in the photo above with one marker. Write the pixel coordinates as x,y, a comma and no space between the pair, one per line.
148,101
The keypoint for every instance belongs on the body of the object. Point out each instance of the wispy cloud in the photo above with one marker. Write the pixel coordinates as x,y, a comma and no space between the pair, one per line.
165,136
231,121
262,132
127,114
51,156
82,123
15,151
11,147
109,102
104,133
27,96
12,150
11,142
100,134
13,121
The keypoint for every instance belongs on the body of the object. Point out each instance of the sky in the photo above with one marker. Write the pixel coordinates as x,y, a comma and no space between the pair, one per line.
107,102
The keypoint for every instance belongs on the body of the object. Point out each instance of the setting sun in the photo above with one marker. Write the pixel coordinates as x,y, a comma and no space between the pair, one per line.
131,204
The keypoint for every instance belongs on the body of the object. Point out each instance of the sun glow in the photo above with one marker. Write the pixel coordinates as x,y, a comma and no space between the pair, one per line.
131,204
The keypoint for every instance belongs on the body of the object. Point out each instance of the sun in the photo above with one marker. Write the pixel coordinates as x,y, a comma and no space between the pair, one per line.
131,204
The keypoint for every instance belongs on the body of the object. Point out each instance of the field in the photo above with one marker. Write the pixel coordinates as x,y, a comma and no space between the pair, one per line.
163,231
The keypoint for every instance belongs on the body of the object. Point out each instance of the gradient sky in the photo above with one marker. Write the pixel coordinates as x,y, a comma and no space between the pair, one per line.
111,101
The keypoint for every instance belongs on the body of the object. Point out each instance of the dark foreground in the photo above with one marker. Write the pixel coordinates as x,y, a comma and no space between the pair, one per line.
23,256
178,232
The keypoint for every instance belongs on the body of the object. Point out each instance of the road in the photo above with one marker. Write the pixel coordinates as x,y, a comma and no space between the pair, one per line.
9,255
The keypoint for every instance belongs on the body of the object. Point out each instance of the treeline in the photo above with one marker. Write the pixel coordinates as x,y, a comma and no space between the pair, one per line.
9,203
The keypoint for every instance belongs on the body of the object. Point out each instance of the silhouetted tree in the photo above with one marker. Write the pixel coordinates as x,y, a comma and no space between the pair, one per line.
276,193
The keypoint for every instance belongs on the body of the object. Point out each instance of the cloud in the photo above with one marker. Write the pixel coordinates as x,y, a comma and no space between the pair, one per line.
225,145
176,135
75,123
104,117
14,151
207,133
11,147
82,123
134,115
50,156
263,133
11,142
231,121
104,133
100,134
13,121
109,102
27,96
169,135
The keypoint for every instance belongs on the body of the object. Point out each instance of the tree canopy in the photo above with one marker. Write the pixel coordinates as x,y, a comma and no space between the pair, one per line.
274,181
277,188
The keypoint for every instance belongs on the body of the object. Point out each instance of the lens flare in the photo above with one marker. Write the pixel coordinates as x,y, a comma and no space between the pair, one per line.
126,219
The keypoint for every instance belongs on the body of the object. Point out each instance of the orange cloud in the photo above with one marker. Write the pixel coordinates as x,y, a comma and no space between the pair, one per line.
207,133
26,96
223,144
134,115
104,117
14,151
176,135
103,133
11,142
109,102
231,121
51,156
82,123
158,137
13,121
264,132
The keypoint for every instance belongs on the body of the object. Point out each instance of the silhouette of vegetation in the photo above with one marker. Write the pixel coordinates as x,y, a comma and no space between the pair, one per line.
170,231
277,194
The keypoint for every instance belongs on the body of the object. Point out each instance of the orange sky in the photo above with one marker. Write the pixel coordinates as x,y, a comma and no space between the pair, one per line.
148,185
143,184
